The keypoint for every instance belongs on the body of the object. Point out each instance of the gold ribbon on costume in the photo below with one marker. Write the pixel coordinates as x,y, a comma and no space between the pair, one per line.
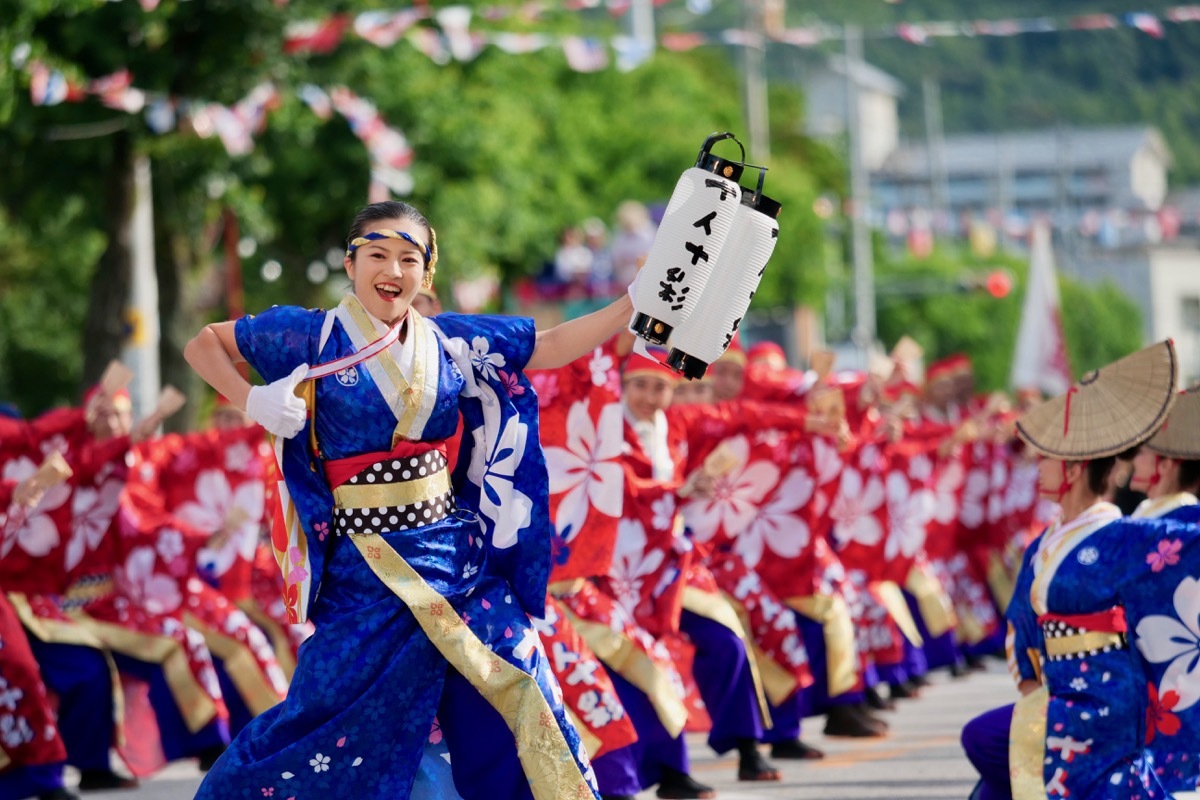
1000,581
546,758
404,493
932,601
54,631
892,599
841,654
1027,746
721,609
778,684
195,705
1078,644
280,642
243,669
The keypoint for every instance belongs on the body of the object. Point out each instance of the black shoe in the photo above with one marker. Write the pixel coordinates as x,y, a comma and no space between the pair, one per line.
209,755
98,780
752,766
902,691
677,785
918,681
58,794
846,720
976,664
957,670
795,750
878,702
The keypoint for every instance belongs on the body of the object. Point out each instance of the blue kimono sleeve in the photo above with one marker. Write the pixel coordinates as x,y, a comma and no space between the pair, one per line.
1027,634
511,338
279,339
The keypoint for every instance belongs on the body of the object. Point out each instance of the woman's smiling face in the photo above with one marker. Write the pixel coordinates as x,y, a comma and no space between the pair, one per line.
388,272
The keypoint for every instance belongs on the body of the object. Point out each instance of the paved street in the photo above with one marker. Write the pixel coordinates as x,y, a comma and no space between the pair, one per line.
921,758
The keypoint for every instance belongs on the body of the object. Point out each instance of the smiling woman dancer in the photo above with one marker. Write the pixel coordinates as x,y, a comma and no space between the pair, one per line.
420,583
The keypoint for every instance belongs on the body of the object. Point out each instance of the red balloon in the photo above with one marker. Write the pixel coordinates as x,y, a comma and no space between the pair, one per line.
999,284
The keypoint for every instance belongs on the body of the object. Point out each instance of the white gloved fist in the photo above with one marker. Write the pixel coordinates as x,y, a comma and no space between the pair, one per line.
276,407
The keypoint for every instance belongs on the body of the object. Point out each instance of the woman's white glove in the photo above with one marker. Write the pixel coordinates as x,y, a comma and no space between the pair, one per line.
276,407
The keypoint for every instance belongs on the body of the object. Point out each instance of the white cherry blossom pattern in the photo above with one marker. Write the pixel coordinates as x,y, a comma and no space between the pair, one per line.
663,512
485,362
945,492
169,544
156,593
508,509
238,457
999,481
778,525
219,507
588,469
853,510
33,530
827,462
1176,640
601,367
1021,492
633,564
736,495
909,512
92,512
973,510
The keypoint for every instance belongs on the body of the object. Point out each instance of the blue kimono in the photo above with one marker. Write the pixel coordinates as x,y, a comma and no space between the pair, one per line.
1087,620
420,584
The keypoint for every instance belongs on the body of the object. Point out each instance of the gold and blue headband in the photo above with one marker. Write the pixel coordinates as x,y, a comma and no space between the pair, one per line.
385,233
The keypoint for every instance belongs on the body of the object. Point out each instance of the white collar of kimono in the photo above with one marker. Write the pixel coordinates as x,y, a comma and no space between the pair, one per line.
652,435
406,373
1161,506
1061,540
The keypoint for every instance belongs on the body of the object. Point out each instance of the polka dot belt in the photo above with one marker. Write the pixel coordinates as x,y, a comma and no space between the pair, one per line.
395,494
1079,635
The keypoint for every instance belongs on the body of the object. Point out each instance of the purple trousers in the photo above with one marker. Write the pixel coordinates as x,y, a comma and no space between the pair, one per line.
80,677
177,740
722,671
785,720
816,699
20,782
938,651
640,765
985,739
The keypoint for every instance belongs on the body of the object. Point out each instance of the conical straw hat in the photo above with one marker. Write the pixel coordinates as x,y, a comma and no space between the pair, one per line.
1179,436
1109,411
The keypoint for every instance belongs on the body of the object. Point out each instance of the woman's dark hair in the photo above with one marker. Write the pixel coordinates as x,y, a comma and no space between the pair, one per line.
392,209
1189,475
1097,471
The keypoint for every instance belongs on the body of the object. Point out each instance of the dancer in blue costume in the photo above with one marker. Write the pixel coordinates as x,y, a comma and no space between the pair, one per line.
1167,470
1094,610
420,582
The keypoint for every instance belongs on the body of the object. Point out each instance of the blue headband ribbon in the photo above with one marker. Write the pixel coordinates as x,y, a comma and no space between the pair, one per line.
385,233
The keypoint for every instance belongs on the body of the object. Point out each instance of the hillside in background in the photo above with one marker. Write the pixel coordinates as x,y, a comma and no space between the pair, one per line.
1035,80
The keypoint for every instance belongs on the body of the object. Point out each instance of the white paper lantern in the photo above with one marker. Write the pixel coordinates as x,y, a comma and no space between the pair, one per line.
688,244
706,333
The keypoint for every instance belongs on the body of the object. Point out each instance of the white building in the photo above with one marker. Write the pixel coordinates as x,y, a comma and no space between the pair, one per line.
878,92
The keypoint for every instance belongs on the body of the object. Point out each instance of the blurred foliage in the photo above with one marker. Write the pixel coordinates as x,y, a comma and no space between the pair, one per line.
509,150
927,300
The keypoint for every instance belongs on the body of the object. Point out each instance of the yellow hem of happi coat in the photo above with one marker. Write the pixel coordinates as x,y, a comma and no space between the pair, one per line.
841,654
622,656
778,682
889,595
933,602
1027,746
56,631
281,643
1001,581
724,610
195,705
545,756
241,666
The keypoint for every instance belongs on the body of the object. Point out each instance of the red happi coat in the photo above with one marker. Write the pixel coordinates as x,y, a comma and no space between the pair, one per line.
582,428
965,571
195,506
587,689
28,733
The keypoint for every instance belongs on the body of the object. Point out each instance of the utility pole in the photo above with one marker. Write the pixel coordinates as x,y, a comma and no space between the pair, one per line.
935,144
141,348
755,80
641,24
860,197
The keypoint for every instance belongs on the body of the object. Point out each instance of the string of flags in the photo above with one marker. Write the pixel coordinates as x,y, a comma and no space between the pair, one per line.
450,38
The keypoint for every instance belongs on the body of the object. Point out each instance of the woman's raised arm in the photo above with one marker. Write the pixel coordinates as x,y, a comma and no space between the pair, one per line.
569,340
